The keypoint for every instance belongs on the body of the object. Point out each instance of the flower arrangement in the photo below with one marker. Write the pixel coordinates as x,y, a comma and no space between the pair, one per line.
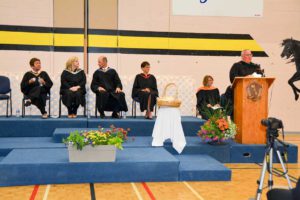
113,136
217,128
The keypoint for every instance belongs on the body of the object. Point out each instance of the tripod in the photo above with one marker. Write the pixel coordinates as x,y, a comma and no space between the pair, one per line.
268,162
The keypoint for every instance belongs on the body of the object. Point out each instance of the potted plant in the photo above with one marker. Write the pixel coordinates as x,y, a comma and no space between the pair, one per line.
218,128
95,145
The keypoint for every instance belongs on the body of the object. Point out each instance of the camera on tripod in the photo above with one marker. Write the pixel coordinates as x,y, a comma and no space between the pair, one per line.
273,125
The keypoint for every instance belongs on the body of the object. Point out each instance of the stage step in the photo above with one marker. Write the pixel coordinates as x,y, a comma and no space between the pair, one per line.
37,127
202,168
143,127
226,153
51,166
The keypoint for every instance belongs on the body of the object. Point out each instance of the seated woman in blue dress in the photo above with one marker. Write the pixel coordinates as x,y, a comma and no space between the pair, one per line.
208,97
145,89
72,87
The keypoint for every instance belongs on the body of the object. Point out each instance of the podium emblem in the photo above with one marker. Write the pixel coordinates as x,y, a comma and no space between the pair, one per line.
254,91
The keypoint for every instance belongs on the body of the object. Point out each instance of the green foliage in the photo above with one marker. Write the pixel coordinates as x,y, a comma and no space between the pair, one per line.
217,128
113,136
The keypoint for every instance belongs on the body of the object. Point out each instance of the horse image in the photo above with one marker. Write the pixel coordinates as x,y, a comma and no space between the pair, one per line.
291,49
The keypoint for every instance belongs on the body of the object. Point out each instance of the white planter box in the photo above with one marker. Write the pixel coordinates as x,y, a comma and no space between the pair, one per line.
100,153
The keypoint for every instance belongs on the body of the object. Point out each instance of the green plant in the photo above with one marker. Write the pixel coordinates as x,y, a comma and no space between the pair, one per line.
217,128
112,136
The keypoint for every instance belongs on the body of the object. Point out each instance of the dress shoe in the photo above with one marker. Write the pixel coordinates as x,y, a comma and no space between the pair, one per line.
102,115
115,115
44,116
27,103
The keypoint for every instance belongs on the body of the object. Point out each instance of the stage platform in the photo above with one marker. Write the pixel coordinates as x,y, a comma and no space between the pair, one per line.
36,127
31,152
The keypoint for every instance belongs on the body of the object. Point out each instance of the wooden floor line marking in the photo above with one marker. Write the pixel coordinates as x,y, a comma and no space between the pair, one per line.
138,194
148,191
34,192
46,192
193,191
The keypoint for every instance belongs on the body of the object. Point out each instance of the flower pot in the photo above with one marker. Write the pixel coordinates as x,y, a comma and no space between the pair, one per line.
100,153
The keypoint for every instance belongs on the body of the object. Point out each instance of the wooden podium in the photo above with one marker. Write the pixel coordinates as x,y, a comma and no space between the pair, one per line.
250,107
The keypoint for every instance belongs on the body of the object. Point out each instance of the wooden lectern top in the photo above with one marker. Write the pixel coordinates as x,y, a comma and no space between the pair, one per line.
269,80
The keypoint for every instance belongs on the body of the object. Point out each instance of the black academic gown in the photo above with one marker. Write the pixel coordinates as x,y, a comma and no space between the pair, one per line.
241,69
35,92
108,100
71,99
204,97
141,82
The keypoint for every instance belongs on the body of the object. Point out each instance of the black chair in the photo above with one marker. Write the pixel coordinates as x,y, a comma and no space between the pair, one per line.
26,98
5,93
133,107
59,112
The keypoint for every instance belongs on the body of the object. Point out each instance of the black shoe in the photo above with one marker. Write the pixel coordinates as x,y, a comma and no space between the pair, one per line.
27,103
115,115
102,115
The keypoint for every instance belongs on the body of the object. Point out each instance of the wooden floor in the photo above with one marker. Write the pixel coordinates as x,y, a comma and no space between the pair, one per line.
242,186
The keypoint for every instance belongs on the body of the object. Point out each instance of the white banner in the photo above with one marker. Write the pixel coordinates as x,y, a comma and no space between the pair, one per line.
232,8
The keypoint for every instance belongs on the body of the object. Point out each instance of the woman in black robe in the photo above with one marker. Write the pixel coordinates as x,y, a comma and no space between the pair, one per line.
72,87
208,98
35,85
145,90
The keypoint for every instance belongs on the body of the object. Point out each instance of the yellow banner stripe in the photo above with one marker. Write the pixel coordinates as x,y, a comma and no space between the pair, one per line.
187,43
68,40
213,44
26,38
143,42
103,41
133,42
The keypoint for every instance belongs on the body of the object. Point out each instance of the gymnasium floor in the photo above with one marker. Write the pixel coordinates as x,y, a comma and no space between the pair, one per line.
242,186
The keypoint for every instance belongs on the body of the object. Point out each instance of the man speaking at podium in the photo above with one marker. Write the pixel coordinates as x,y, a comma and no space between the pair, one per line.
245,67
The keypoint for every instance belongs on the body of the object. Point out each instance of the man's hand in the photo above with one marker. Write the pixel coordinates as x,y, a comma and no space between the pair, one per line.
42,81
209,105
118,90
101,89
74,88
32,80
146,90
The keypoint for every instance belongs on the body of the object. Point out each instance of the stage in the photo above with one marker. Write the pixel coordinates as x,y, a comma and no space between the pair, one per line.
31,152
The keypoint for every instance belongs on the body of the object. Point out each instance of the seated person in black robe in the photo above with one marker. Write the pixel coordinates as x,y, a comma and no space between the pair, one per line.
243,68
208,97
145,90
35,85
72,87
108,88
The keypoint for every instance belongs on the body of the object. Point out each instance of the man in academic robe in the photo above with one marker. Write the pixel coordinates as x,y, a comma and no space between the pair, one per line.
35,85
107,86
243,68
